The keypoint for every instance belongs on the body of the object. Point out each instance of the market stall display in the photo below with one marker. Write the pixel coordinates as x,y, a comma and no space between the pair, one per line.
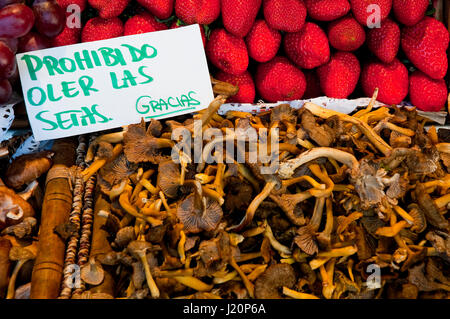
288,185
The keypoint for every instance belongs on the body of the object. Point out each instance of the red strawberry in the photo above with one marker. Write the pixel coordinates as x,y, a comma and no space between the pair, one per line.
307,48
176,25
363,10
327,10
227,52
245,83
65,3
100,29
427,94
143,23
425,45
279,80
285,15
239,15
312,85
410,12
68,36
162,9
197,11
427,33
263,42
391,80
346,34
338,78
385,41
109,9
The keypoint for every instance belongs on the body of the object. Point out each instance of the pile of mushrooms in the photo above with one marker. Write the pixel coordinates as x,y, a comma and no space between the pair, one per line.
350,192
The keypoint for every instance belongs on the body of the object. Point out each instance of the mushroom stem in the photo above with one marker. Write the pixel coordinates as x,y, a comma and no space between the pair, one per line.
393,230
401,130
125,203
180,247
443,147
239,114
212,109
254,206
323,176
256,272
326,234
204,179
112,138
213,194
317,262
218,182
443,201
248,285
404,214
193,283
99,163
223,279
12,280
297,295
138,187
287,168
338,252
317,213
306,178
146,183
283,250
305,143
28,192
154,291
244,171
369,108
248,256
374,138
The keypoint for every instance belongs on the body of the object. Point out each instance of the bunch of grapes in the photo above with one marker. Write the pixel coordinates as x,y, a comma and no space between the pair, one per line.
25,28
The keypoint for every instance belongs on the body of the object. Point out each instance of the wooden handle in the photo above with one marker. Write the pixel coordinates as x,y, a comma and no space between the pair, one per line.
47,271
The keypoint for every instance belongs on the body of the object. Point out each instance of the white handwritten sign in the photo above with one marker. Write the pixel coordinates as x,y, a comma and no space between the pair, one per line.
100,85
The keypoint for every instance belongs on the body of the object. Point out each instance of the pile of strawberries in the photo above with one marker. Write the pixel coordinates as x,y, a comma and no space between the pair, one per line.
280,50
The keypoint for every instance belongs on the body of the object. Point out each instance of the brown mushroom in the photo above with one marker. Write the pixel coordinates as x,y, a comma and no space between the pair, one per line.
21,255
27,168
92,273
283,113
323,135
274,278
199,213
139,251
141,146
13,208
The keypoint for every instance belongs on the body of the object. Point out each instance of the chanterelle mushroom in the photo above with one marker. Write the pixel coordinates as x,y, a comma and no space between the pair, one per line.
199,213
141,146
274,278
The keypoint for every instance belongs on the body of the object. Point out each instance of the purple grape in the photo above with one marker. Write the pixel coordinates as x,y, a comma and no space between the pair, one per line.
12,43
7,61
33,41
50,17
5,91
16,20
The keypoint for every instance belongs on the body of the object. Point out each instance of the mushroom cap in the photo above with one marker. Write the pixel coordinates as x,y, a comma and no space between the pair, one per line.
124,236
115,172
92,273
104,150
323,135
168,179
21,253
196,218
27,168
306,241
138,247
140,146
283,112
277,276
